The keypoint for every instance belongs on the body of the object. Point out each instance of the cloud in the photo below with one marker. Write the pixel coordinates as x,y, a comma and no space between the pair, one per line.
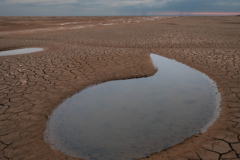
183,6
113,7
130,3
227,3
46,2
106,3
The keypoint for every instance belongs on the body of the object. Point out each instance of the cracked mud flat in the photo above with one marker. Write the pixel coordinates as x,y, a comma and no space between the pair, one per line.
33,84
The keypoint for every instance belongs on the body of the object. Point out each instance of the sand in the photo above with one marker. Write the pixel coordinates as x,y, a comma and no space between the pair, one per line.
33,84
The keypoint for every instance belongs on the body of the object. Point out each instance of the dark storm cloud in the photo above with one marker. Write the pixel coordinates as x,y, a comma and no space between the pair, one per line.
112,7
186,6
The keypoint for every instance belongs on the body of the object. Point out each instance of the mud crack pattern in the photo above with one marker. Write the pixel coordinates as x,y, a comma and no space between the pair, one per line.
32,85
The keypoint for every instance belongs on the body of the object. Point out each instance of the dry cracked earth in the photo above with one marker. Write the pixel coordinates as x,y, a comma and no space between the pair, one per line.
31,85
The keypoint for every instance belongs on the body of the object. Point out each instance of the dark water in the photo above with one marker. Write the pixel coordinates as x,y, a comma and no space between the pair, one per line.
20,51
127,119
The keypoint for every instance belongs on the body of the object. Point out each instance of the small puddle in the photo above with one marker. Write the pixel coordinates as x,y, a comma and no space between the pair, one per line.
128,119
20,51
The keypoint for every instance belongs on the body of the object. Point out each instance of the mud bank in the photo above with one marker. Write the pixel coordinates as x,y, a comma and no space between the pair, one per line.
33,84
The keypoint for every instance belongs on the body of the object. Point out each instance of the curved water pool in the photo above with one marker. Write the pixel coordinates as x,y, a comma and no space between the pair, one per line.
128,119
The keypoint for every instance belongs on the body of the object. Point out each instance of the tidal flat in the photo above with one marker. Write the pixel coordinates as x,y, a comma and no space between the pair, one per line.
82,51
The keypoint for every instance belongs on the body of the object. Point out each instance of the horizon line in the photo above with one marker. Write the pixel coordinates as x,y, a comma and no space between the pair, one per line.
148,14
195,13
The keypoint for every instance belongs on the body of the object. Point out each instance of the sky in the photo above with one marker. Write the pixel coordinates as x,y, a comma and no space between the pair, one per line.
118,7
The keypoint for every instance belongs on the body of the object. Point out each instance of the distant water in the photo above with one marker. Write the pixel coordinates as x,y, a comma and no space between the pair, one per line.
127,119
20,51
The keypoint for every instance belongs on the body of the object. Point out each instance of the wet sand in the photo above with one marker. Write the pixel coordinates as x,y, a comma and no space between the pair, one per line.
33,84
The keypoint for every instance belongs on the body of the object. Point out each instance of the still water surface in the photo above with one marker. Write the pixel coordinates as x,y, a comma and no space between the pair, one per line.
20,51
128,119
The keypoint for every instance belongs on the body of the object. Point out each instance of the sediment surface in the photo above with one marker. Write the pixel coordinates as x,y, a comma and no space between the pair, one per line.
33,84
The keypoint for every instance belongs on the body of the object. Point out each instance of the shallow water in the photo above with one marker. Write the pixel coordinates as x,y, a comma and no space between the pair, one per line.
20,51
128,119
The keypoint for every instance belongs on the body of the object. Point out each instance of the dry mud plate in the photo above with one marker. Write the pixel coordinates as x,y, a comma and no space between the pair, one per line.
31,85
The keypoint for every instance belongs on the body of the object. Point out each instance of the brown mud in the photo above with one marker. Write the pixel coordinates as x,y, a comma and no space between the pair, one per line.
31,85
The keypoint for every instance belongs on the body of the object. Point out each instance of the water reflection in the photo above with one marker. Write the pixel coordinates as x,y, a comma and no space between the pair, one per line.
127,119
20,51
